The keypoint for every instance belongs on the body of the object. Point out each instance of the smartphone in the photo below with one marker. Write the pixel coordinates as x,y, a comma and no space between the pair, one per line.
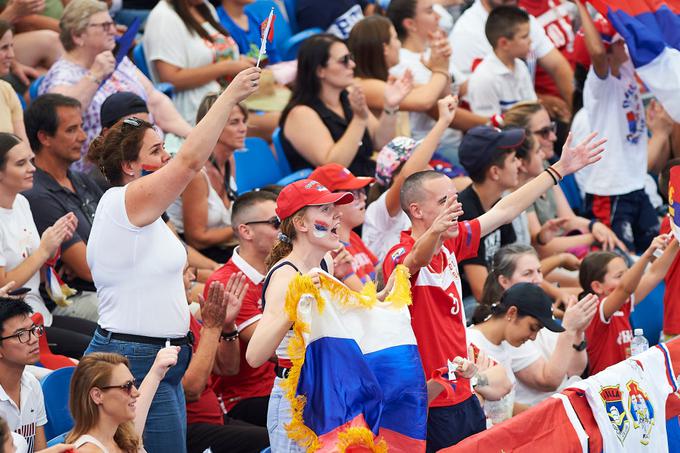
19,291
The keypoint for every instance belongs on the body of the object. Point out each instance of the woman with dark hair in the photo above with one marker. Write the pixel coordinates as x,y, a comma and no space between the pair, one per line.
202,214
137,262
11,112
327,118
109,411
185,45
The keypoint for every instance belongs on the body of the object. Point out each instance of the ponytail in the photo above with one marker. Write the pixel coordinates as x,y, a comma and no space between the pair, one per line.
284,245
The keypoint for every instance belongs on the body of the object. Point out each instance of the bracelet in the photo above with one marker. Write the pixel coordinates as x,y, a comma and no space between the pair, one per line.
347,276
391,111
547,170
93,78
229,336
557,173
592,224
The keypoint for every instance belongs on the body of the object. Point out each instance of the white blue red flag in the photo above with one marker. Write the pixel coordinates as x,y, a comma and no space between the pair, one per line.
651,29
357,380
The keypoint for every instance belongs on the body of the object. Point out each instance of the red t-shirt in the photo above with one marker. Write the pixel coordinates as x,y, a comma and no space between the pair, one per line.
553,15
364,260
671,304
437,314
250,382
207,409
609,339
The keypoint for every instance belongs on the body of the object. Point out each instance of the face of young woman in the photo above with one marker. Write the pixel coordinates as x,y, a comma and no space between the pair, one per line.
233,135
117,402
426,20
532,164
521,329
322,224
392,49
17,175
6,52
353,214
540,127
339,69
152,154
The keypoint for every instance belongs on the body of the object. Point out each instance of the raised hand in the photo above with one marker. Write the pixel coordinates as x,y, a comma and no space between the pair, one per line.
658,243
357,100
576,157
551,229
397,89
578,314
166,358
447,108
244,84
606,237
448,218
233,296
343,263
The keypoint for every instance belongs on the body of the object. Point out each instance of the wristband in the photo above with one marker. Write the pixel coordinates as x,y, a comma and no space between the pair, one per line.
496,120
579,347
347,276
557,173
229,336
391,111
547,170
592,224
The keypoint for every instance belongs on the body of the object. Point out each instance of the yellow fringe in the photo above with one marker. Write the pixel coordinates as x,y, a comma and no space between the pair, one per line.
400,296
356,436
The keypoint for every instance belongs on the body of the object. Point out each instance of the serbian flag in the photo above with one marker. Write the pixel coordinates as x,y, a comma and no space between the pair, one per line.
58,291
674,201
357,379
651,29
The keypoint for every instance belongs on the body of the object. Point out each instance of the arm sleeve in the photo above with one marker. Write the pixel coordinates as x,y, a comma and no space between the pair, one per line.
524,356
540,43
250,310
164,37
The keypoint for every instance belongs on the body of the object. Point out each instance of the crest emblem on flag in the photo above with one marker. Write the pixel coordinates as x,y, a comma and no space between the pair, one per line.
613,402
674,200
641,410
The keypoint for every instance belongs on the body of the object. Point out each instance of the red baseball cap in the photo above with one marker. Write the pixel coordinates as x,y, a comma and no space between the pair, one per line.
336,177
307,192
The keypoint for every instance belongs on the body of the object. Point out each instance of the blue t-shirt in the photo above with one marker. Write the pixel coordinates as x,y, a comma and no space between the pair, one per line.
248,41
336,17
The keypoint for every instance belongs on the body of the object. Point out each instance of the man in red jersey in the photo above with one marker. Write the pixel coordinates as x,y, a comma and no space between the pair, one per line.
431,250
246,395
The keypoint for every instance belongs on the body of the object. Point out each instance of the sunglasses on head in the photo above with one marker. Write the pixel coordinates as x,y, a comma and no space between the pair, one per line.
274,221
545,132
127,387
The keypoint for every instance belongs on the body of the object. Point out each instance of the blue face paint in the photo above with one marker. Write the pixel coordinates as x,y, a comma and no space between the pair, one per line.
320,229
148,169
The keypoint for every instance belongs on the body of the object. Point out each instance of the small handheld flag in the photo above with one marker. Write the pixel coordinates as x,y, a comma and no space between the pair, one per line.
267,32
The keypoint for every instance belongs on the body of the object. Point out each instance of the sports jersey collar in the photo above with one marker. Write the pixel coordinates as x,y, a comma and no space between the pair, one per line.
497,65
249,271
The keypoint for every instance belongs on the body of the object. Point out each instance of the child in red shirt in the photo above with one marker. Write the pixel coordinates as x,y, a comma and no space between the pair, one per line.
606,275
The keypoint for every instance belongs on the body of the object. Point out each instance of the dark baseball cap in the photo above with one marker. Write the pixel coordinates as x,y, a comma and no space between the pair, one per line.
531,300
481,144
120,105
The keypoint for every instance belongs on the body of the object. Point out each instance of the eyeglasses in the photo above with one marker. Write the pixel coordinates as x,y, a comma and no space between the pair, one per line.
105,26
24,336
345,59
274,221
546,131
127,386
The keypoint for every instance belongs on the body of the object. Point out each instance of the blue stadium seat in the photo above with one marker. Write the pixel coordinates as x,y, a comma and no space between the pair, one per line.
140,61
255,166
60,439
673,433
33,88
648,314
56,388
573,194
284,166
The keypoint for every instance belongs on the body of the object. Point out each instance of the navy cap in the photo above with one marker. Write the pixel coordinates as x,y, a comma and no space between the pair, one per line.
120,105
481,144
531,300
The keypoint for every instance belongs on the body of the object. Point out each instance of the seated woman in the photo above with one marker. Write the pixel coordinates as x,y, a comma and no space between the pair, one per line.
11,113
583,232
551,361
109,412
325,122
202,214
88,72
23,253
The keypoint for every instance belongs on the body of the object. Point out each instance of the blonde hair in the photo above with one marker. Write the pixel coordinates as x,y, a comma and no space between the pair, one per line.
520,114
282,248
94,370
75,19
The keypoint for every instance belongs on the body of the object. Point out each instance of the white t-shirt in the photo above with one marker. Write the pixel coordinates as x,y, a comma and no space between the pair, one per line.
469,44
615,111
30,415
18,240
137,272
218,214
528,353
166,38
421,123
380,231
494,88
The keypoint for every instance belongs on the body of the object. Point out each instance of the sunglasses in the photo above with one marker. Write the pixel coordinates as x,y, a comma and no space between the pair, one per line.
274,221
127,387
24,336
546,131
346,59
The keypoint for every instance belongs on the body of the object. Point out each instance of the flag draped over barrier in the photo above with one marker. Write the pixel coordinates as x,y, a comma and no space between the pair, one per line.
651,29
357,378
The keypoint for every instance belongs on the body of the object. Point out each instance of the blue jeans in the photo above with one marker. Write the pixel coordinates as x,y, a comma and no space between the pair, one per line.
166,424
278,416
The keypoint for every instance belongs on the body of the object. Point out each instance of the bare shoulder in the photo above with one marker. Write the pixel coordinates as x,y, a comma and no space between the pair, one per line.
89,448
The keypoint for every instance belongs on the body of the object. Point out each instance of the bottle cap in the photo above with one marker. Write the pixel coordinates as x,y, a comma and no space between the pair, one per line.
638,332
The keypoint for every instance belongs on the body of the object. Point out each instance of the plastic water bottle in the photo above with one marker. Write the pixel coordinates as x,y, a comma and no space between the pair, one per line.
639,343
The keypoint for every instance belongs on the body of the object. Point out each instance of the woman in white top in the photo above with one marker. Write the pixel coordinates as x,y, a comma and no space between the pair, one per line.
544,365
109,412
137,262
203,213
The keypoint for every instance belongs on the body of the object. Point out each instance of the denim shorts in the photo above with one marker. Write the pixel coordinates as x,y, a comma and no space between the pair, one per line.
166,424
279,415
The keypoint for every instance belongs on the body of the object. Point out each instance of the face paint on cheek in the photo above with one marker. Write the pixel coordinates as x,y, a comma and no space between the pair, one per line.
148,169
320,229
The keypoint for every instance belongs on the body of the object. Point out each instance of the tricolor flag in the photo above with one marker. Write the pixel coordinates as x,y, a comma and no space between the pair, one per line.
674,201
58,291
651,29
267,34
357,379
